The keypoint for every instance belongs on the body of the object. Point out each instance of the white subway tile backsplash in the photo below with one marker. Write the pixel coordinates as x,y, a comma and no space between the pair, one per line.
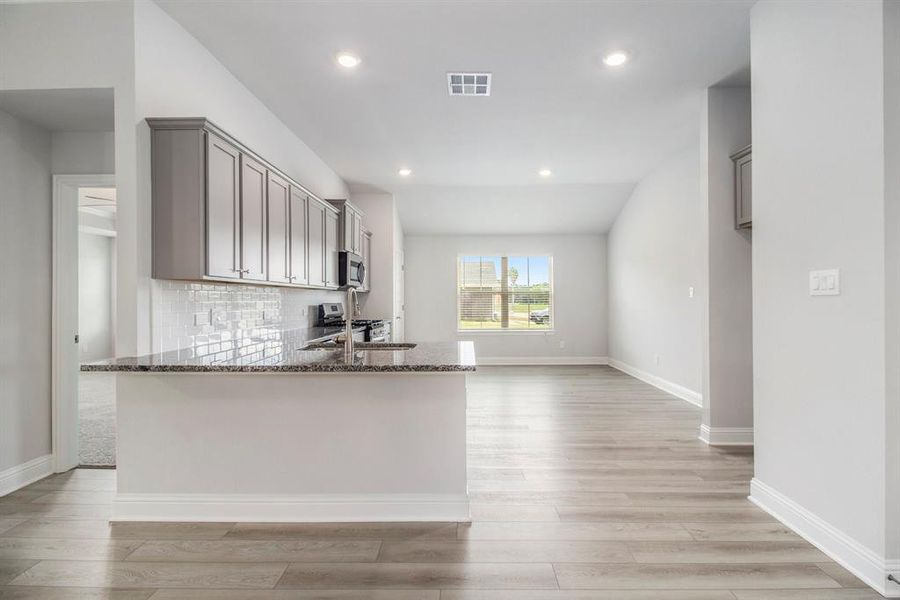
209,318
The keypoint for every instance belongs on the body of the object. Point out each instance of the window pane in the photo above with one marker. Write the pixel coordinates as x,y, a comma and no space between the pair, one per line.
539,292
520,301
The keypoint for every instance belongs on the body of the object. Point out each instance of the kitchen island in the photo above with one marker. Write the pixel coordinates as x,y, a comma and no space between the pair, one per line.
272,431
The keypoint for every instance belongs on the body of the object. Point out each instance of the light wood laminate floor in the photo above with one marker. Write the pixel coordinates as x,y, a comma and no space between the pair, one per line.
587,485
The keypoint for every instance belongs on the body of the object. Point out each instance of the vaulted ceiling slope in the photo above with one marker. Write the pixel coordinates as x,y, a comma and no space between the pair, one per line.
553,103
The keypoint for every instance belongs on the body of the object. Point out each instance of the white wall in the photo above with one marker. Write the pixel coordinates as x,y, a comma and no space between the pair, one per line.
823,411
728,303
379,212
83,152
892,283
654,257
176,76
87,45
399,283
25,292
95,296
168,58
579,294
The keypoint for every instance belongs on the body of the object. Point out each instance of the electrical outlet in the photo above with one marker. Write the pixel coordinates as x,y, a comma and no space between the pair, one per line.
220,318
656,359
691,292
562,344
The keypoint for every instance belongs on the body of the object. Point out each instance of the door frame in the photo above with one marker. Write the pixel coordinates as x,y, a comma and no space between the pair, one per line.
63,399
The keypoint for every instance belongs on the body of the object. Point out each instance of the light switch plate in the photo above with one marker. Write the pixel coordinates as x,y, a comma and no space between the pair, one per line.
826,282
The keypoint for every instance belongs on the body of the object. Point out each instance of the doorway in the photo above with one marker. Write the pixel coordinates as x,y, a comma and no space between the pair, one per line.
96,324
83,249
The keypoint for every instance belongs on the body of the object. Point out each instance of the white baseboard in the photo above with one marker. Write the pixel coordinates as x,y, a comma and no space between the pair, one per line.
541,360
665,385
19,476
726,436
866,564
312,508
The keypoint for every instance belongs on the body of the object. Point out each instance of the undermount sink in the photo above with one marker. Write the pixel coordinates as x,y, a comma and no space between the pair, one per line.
384,346
393,346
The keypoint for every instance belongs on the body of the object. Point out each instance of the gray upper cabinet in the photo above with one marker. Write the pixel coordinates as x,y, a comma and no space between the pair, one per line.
223,219
222,213
299,268
743,188
350,226
253,220
355,230
279,229
332,247
316,236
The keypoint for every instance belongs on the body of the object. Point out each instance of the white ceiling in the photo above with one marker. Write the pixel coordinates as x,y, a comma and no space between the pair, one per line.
553,103
89,109
523,209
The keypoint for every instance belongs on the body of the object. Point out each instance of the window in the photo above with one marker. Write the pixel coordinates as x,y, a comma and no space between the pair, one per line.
512,293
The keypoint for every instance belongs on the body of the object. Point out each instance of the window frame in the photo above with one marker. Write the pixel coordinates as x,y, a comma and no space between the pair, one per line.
500,331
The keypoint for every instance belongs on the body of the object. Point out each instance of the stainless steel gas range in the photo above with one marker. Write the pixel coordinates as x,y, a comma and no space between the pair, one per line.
331,314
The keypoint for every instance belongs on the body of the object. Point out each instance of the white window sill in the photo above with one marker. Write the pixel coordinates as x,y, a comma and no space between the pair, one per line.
461,332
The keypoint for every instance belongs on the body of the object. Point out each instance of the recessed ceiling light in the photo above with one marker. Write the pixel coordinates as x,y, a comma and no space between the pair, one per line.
345,59
404,172
545,172
615,59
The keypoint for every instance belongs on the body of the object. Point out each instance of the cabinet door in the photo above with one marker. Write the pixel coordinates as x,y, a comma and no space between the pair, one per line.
366,253
253,220
346,229
316,243
357,233
278,229
332,246
223,203
298,237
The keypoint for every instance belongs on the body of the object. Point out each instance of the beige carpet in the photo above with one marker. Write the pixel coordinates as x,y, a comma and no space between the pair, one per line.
97,419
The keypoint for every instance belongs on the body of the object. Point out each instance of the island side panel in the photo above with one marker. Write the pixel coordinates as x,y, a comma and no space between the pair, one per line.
291,447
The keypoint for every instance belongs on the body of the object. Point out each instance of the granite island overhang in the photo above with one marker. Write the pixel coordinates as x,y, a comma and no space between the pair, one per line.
293,435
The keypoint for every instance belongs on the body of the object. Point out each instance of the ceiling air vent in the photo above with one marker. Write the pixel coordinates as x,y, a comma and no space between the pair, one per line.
469,84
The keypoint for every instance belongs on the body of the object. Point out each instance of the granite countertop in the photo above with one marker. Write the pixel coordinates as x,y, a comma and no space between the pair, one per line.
284,351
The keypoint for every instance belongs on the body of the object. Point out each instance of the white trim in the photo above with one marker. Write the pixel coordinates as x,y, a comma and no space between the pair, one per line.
464,332
726,436
19,476
892,567
541,360
840,547
64,406
665,385
311,508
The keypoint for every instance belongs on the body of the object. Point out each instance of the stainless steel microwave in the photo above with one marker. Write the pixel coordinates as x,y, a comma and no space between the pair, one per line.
351,270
